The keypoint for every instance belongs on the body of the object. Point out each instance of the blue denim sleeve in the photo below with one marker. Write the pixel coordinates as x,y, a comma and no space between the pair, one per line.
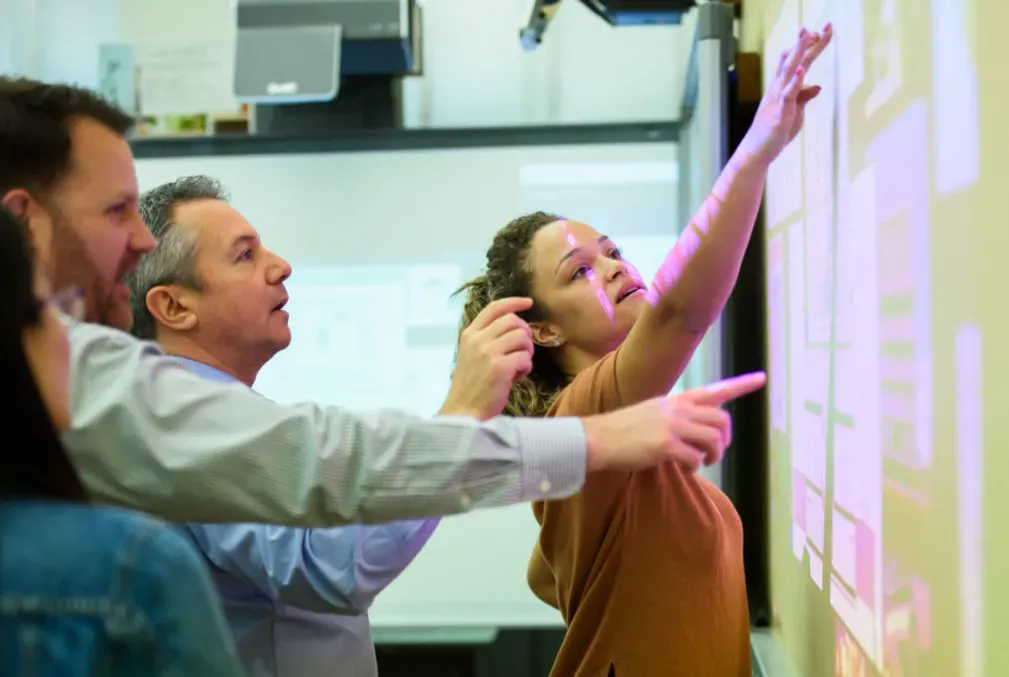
337,570
174,589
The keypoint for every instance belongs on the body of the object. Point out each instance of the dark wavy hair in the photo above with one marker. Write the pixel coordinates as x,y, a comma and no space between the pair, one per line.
34,463
508,274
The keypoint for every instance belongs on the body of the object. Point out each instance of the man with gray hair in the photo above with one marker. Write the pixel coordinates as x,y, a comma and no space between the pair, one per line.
212,296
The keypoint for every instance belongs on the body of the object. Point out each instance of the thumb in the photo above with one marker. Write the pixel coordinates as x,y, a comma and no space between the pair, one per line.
807,94
726,390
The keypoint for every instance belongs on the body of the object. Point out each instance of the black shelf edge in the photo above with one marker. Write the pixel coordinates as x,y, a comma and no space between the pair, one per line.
376,140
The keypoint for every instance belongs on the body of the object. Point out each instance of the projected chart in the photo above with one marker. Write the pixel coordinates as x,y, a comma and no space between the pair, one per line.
850,308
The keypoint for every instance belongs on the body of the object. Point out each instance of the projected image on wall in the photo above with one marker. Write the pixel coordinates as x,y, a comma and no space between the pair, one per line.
850,217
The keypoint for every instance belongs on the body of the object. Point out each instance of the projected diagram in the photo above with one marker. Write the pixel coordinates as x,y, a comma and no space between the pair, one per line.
849,304
368,338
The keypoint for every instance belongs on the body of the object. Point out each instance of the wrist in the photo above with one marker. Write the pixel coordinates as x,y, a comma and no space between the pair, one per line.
744,169
595,448
449,409
752,156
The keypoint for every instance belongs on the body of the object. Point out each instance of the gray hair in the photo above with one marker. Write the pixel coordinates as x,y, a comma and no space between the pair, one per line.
173,261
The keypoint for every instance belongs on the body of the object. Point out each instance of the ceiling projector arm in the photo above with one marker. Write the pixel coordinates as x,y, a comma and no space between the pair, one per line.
614,12
542,14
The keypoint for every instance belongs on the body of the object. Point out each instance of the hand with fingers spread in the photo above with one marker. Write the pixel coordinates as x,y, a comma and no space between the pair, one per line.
690,429
494,350
781,112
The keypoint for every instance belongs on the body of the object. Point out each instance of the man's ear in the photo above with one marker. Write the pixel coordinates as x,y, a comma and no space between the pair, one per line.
172,307
547,335
17,201
22,205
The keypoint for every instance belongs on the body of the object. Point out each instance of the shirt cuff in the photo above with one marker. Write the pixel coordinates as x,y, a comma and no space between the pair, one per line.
554,457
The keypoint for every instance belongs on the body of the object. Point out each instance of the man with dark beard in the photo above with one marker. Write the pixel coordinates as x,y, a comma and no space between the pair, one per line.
92,226
149,434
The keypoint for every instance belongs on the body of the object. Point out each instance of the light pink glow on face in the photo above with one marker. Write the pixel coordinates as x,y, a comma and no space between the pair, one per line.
604,300
598,285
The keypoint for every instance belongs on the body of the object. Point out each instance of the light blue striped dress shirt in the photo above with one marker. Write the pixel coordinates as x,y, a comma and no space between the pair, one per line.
297,599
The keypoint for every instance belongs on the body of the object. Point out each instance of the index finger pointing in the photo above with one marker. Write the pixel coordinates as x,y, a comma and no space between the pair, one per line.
500,308
726,390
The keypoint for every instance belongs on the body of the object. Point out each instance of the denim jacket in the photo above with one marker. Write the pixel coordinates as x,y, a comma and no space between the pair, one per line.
88,591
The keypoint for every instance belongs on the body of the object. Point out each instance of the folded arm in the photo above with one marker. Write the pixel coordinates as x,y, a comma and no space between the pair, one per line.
338,570
149,434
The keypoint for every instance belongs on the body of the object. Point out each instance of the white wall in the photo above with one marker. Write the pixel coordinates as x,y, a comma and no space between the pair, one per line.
476,73
16,39
585,70
67,35
56,40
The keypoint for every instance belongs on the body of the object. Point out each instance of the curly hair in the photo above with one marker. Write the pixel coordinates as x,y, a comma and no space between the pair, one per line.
509,274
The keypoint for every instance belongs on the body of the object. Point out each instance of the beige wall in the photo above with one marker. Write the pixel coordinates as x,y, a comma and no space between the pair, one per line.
990,230
936,560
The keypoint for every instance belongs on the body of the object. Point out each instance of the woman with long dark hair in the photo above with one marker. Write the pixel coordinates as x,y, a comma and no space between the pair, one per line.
85,590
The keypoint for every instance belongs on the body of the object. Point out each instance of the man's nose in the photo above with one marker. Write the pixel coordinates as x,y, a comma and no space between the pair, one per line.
141,239
280,270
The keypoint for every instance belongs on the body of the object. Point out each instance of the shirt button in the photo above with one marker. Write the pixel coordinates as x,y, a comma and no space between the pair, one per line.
464,501
545,487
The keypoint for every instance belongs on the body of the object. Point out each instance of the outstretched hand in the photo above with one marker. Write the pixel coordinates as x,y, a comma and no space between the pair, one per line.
689,429
781,112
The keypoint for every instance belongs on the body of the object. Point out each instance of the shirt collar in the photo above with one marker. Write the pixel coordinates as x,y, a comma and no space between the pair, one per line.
204,370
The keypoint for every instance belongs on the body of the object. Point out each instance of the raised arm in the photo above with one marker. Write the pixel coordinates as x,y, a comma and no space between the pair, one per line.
338,570
698,275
